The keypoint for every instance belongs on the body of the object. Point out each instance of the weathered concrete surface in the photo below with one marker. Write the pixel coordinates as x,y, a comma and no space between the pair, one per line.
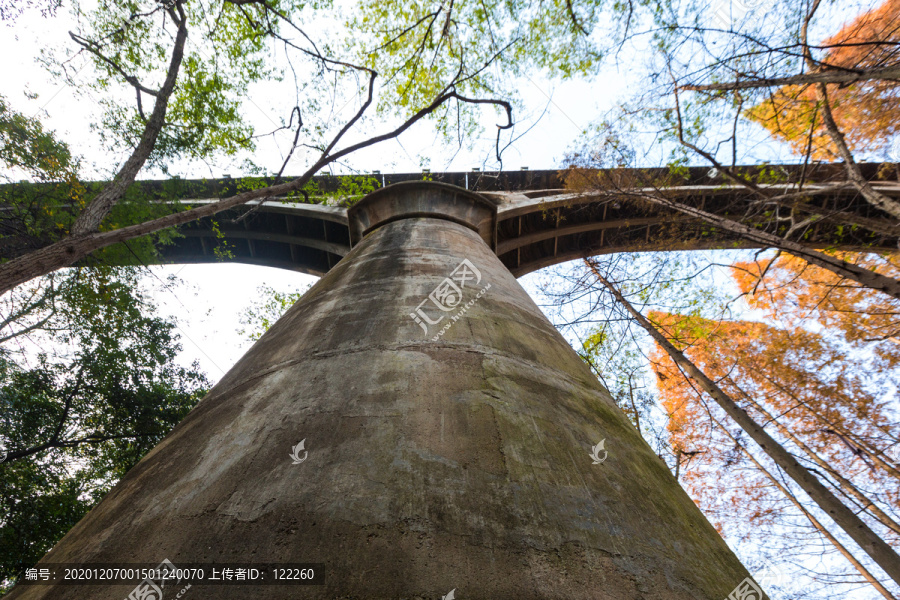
458,463
417,199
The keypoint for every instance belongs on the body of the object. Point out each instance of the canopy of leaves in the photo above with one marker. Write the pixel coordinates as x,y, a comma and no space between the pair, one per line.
797,294
133,41
867,112
823,401
272,303
88,384
37,214
482,48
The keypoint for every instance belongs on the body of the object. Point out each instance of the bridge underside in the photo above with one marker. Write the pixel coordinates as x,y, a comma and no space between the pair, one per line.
540,223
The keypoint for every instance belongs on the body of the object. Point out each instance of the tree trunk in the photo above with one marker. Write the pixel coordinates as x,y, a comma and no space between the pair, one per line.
873,196
815,522
867,278
845,484
846,519
93,214
871,452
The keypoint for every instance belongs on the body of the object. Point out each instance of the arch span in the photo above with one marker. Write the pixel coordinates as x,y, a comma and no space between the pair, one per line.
539,222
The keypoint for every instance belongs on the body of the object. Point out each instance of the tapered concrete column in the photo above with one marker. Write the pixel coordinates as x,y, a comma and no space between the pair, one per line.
448,427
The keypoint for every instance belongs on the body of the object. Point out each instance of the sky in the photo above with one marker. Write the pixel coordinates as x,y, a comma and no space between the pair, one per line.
565,110
209,303
217,294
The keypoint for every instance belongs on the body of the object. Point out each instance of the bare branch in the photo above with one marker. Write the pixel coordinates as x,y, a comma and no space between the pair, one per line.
77,246
94,49
841,76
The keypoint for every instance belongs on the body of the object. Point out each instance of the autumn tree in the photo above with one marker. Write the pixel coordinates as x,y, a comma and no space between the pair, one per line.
794,293
864,110
703,77
862,54
808,388
871,543
840,484
799,385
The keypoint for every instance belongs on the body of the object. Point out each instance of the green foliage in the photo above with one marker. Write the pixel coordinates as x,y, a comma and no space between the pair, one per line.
227,52
257,318
480,48
37,214
27,146
34,213
40,504
248,184
222,250
353,188
88,385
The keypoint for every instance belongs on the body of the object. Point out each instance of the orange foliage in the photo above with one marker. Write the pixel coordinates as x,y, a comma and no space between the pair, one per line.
795,375
796,293
867,113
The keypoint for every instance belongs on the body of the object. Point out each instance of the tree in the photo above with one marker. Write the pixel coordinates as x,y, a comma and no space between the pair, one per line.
755,54
796,294
195,109
704,74
88,384
807,387
786,381
864,109
269,307
40,212
858,530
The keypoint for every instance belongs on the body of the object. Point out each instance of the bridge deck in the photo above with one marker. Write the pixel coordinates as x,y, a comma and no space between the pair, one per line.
540,223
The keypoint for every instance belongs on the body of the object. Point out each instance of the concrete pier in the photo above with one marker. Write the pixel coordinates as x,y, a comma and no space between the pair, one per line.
447,432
